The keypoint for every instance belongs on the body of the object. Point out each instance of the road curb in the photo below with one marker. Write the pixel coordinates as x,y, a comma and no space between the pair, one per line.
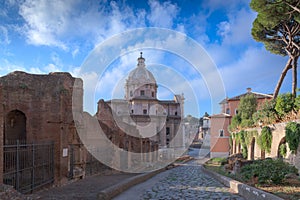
242,189
115,190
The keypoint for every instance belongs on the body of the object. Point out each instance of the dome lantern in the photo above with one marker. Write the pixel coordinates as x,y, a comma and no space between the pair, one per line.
140,82
141,61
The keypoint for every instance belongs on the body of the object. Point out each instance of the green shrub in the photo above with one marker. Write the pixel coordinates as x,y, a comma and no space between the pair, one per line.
292,136
240,138
220,161
284,104
282,150
297,103
268,170
266,113
249,136
247,106
247,123
245,151
235,123
264,140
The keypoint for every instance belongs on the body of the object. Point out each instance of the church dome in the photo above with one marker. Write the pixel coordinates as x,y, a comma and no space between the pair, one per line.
140,75
140,82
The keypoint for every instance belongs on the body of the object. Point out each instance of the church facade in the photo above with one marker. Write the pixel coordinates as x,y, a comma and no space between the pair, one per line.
159,120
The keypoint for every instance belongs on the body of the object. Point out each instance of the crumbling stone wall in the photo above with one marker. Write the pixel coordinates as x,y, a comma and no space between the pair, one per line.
117,131
278,134
46,101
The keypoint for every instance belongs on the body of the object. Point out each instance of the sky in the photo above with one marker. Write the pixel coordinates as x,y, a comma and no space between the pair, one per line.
203,49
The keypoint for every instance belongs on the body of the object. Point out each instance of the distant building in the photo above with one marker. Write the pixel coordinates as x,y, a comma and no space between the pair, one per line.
219,143
191,127
159,120
204,127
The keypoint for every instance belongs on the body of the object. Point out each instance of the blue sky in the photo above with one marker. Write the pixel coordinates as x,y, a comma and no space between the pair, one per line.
43,36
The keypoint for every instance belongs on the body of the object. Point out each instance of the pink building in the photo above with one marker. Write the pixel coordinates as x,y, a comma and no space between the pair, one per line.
219,142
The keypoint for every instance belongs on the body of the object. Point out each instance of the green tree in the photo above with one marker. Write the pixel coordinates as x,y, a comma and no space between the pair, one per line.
277,26
284,104
292,136
266,113
235,123
265,139
246,109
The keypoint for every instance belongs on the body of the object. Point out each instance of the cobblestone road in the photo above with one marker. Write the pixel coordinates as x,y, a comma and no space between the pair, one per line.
183,182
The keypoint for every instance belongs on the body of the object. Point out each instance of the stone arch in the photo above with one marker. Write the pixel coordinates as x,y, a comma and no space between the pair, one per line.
14,127
282,141
262,154
235,147
252,148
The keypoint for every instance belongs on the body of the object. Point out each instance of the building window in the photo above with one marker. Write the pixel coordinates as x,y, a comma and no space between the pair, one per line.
132,111
142,92
168,131
236,111
228,111
145,112
221,132
152,94
176,113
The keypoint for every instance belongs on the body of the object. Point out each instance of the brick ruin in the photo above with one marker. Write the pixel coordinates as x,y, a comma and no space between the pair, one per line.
38,108
121,139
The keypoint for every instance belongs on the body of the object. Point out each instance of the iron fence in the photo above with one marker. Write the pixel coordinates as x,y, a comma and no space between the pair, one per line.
83,163
28,166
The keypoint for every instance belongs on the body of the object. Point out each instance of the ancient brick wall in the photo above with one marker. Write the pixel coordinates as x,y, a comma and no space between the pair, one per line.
1,137
46,101
117,131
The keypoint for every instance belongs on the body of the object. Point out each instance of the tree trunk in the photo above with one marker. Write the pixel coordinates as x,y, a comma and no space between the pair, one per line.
294,84
282,76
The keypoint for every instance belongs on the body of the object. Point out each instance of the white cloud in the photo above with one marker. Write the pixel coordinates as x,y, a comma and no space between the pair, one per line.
223,28
89,82
74,71
51,68
46,21
7,67
235,36
4,40
238,29
162,14
35,70
75,52
57,23
256,68
228,5
56,59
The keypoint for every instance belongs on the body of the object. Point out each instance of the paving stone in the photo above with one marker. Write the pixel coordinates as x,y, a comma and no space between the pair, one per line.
189,182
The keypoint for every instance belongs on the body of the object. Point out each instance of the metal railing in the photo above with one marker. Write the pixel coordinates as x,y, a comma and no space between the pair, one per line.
28,166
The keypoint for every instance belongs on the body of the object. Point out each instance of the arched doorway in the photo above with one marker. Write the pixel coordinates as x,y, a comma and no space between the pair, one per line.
262,154
252,149
281,150
239,148
15,127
